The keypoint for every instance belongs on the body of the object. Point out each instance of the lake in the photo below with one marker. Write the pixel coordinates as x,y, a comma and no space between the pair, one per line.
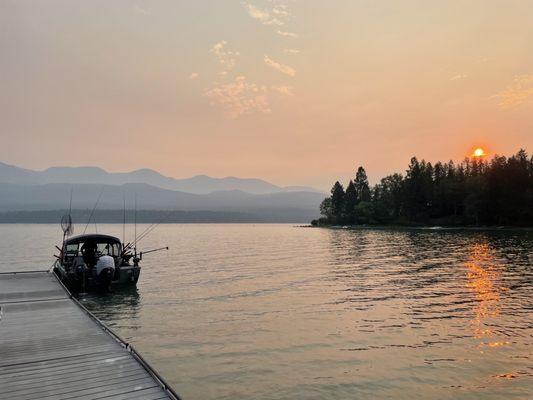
280,312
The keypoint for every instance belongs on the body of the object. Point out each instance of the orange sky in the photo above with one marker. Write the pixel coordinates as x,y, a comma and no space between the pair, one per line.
295,92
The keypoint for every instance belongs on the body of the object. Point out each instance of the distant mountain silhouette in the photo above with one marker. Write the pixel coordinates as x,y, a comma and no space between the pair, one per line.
287,206
200,184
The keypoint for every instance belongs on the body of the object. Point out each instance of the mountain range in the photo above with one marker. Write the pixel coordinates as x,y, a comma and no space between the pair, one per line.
27,190
199,184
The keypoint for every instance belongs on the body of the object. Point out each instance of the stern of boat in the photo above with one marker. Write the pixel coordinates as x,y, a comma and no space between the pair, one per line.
127,275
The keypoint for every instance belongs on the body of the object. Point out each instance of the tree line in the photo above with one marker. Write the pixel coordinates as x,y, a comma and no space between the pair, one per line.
474,192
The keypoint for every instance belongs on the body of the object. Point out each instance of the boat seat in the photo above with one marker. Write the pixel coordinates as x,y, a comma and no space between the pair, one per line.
77,261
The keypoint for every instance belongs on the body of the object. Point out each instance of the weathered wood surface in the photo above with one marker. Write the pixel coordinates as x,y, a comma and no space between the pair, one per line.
50,348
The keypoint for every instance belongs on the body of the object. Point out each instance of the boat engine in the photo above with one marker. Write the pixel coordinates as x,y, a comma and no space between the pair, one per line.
105,270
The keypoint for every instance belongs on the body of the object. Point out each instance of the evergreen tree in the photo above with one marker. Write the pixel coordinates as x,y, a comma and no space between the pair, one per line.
387,198
337,201
325,208
473,192
361,185
350,201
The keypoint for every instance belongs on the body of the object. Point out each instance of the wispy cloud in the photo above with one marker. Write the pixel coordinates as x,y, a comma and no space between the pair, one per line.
519,92
234,92
286,90
276,13
285,69
291,51
266,17
282,10
140,10
239,97
458,77
194,75
287,34
226,58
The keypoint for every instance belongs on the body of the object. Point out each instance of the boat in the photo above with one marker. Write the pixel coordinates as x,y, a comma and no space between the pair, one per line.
96,262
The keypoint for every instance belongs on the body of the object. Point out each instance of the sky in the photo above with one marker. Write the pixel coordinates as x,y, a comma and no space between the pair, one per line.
296,92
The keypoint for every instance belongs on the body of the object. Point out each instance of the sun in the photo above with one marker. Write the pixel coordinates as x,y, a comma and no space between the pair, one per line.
479,153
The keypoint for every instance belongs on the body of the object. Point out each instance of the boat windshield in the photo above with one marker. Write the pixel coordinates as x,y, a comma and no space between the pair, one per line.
102,249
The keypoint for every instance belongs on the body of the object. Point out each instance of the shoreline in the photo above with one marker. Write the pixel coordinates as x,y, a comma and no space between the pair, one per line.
432,228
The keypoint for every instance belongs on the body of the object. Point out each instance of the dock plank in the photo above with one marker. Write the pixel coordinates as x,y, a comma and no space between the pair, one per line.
51,348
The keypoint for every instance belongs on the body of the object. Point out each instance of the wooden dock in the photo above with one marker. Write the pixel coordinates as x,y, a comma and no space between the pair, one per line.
52,348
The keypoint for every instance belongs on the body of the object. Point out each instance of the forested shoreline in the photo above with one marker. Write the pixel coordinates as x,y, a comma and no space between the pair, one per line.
476,192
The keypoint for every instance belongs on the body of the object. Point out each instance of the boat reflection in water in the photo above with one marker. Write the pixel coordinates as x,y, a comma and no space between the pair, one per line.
119,309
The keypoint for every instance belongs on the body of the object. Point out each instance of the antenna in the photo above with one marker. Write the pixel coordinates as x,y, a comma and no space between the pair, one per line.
94,208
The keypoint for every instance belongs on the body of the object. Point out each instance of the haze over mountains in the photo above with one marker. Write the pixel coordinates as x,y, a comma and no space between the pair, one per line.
200,184
27,190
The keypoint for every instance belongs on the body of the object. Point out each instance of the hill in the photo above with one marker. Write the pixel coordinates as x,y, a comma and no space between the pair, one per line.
200,184
288,206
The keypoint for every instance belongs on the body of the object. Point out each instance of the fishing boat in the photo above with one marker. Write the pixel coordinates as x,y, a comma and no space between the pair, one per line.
96,262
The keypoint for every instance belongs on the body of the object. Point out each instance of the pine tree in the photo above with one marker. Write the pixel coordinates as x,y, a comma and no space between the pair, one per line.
350,201
361,185
499,192
337,201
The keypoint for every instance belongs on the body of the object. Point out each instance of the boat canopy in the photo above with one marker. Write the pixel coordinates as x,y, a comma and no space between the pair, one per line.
92,237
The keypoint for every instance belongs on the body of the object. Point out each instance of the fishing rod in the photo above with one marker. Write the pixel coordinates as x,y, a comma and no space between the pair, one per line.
133,246
151,251
68,229
150,229
94,208
146,232
152,226
135,242
124,218
70,203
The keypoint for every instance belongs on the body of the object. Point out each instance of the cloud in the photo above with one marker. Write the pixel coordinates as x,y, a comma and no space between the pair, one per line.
286,90
458,77
140,10
519,92
287,34
285,69
226,58
234,93
281,10
276,15
193,75
291,51
239,97
264,16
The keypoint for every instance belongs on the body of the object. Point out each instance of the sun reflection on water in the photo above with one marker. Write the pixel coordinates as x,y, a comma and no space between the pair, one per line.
483,277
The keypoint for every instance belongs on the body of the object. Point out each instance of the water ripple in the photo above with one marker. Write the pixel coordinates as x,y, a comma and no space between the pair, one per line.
277,312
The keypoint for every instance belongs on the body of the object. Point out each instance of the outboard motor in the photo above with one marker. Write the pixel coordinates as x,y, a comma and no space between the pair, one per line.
105,270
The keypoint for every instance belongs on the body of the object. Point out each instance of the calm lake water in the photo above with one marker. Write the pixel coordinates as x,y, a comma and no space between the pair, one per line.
278,312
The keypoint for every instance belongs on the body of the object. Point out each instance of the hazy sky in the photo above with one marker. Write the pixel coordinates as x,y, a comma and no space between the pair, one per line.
295,92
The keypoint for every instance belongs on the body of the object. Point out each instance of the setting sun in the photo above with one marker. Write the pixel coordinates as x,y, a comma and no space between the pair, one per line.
479,152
